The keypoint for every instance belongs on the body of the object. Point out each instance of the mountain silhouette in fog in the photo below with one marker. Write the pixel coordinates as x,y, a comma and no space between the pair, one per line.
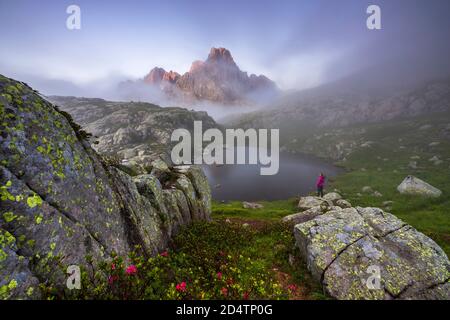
218,80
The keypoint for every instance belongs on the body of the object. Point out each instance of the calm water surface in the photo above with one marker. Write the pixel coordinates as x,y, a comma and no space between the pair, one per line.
297,176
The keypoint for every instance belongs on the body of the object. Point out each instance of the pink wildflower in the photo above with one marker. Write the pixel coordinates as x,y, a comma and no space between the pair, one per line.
131,270
164,254
224,291
181,287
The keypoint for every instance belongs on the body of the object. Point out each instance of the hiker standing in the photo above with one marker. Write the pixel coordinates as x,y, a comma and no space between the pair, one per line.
320,184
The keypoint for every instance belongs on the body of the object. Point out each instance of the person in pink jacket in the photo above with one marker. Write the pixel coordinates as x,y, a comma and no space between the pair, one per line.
320,184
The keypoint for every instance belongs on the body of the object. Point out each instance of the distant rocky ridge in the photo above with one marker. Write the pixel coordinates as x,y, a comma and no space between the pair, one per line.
217,80
342,108
61,202
137,132
345,246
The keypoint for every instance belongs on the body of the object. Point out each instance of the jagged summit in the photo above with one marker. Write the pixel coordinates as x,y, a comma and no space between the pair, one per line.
220,55
158,75
155,75
217,79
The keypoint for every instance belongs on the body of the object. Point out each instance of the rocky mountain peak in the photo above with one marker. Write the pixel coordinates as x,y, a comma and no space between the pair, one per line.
196,65
217,79
171,76
220,55
155,76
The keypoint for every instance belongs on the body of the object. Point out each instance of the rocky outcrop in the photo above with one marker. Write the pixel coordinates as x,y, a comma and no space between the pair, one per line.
342,109
414,186
136,132
332,196
314,206
61,202
366,253
218,79
331,125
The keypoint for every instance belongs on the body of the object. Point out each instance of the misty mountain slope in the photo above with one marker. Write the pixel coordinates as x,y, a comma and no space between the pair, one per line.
326,106
135,131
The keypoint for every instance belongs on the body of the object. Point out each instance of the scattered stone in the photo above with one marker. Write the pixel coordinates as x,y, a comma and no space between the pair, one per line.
434,144
309,202
425,127
412,164
343,203
377,194
414,186
415,158
367,189
252,205
304,215
387,203
333,197
245,225
367,144
434,158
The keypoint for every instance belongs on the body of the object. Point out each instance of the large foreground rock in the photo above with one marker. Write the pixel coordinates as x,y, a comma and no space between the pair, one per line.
60,202
415,186
344,247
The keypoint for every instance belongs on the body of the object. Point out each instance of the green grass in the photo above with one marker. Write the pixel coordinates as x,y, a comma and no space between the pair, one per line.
271,246
273,243
273,210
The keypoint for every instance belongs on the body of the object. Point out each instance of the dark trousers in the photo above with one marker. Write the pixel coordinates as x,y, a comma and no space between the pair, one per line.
320,192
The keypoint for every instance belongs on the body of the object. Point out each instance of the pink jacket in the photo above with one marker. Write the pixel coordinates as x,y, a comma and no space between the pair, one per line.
320,181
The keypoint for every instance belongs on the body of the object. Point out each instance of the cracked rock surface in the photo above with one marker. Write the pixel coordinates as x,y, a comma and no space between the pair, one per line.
60,202
366,253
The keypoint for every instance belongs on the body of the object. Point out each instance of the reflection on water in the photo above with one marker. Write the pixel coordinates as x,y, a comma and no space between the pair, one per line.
297,176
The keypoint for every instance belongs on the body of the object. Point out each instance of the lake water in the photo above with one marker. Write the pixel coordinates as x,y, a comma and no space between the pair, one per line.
296,176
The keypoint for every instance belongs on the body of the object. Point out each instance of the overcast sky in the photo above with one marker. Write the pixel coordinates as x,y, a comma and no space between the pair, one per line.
296,43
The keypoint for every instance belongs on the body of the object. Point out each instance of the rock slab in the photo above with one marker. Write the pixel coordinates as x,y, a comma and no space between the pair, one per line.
366,253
